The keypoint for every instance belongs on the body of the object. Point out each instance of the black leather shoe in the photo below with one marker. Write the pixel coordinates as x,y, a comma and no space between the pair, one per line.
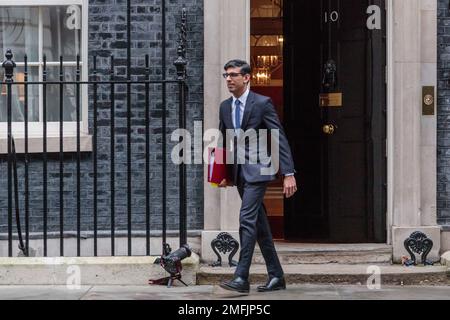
273,284
238,284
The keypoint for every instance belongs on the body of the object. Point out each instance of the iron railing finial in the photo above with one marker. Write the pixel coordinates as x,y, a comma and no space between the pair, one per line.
9,66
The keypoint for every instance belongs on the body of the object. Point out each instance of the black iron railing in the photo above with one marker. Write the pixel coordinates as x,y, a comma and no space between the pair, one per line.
135,83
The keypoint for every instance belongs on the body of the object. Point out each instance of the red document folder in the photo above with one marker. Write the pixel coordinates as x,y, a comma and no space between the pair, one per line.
217,167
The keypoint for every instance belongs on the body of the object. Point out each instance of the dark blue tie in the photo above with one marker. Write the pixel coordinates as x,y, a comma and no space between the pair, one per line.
237,115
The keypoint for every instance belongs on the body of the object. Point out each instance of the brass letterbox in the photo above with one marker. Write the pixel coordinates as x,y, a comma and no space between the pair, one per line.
330,99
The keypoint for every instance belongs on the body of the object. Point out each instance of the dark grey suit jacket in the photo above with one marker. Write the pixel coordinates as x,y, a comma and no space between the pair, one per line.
259,114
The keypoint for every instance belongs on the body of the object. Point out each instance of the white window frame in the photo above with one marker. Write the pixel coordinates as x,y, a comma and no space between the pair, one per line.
35,129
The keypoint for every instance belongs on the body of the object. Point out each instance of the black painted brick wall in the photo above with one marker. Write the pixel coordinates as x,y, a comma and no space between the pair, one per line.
443,178
107,36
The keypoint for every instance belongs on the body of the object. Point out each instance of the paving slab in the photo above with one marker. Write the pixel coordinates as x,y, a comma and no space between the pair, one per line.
394,293
149,293
213,292
32,292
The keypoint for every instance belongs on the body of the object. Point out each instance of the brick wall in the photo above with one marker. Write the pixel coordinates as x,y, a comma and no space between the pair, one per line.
107,36
443,178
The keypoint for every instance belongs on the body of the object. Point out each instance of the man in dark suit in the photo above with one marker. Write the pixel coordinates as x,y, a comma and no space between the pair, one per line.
244,112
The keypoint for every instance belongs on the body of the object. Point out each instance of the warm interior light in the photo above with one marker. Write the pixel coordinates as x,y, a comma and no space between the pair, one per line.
262,76
267,61
267,49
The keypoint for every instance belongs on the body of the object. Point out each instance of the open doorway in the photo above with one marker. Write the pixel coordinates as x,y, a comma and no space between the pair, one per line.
323,64
266,43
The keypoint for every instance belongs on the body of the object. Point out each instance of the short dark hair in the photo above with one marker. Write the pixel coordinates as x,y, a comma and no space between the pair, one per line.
236,63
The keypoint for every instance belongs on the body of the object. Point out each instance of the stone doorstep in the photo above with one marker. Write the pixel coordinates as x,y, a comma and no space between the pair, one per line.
335,273
332,257
92,270
300,253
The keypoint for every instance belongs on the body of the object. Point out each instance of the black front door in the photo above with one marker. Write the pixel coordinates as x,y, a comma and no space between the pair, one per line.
335,119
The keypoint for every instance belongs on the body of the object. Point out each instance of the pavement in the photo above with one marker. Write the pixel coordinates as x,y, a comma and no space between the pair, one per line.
214,292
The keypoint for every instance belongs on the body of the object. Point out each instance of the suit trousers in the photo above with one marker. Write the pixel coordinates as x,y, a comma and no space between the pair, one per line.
254,227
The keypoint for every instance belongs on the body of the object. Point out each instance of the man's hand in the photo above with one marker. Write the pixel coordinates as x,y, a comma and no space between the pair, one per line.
225,184
289,186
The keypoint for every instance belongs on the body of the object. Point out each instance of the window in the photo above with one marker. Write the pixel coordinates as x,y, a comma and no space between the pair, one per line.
50,28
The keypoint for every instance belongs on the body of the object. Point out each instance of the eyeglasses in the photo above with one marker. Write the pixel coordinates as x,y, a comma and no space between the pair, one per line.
232,74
